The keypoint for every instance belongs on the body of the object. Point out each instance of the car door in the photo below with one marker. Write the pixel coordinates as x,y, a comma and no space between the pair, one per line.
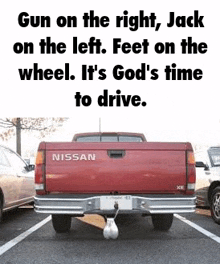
202,178
9,182
26,178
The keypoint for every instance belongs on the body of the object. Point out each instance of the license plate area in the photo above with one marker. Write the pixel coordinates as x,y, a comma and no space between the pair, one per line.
124,202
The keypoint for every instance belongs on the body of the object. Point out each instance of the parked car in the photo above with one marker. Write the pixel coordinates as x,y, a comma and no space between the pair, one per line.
16,180
208,180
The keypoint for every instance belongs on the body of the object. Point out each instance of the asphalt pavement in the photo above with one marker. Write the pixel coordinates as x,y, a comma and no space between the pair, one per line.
26,242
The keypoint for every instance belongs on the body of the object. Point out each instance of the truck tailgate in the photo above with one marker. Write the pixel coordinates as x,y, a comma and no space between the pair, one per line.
124,168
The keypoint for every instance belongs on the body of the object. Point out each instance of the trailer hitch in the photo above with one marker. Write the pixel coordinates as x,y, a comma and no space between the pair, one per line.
111,229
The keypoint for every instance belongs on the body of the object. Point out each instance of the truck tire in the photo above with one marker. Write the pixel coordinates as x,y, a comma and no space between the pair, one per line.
215,205
162,222
61,223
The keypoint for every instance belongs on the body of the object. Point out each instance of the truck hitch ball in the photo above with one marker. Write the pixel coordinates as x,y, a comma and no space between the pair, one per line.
111,229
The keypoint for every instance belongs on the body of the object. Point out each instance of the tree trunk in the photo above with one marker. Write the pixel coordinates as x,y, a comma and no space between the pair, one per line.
18,135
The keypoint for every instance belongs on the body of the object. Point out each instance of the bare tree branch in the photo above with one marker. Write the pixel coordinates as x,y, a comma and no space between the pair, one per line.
6,123
43,125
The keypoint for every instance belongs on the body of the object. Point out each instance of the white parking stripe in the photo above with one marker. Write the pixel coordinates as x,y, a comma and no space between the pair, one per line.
19,238
198,228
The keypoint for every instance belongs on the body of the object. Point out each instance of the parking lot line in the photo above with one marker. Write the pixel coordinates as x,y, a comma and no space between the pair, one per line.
22,236
198,228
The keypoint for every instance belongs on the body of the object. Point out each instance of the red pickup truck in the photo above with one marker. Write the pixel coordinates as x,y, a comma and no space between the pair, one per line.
114,173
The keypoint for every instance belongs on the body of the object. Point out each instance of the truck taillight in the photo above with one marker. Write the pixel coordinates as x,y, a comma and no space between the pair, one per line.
191,172
40,173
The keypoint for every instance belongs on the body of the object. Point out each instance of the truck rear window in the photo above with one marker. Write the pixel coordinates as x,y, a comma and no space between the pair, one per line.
109,139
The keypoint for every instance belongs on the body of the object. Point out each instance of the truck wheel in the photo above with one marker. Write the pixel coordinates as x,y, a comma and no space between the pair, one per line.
215,205
162,222
61,223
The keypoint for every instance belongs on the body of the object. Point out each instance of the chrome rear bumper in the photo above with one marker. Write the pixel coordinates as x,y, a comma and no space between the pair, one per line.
146,204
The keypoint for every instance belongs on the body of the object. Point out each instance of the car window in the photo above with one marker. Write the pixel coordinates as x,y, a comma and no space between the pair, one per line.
216,160
215,156
15,161
110,138
3,160
130,139
88,139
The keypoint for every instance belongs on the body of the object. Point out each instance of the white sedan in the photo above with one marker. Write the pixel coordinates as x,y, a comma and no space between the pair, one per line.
16,180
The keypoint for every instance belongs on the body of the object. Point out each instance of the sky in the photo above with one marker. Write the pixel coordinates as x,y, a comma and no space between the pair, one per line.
177,110
200,138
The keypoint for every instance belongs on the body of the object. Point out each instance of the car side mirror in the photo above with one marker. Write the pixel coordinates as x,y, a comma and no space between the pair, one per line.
30,167
200,164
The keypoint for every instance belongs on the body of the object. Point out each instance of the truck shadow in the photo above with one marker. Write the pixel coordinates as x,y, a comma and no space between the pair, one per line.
130,227
16,214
